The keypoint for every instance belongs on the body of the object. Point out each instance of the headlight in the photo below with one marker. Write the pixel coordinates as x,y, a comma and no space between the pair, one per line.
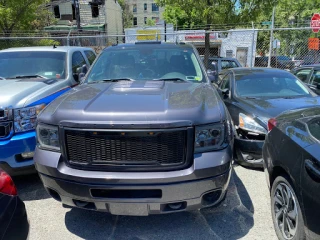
248,124
25,118
211,137
48,137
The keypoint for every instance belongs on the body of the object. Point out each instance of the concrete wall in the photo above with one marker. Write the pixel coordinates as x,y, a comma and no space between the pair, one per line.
114,17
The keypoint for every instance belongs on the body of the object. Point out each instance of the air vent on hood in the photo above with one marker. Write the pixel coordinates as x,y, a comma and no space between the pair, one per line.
138,85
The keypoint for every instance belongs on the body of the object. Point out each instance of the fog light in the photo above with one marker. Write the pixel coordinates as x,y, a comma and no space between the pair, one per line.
27,155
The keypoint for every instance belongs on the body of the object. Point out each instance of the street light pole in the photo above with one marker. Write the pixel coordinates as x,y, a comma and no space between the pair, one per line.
271,37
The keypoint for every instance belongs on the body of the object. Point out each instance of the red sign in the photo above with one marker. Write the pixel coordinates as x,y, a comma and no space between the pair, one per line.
198,37
315,23
313,43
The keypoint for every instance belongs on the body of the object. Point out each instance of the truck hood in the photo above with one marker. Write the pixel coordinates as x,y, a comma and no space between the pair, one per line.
14,93
136,103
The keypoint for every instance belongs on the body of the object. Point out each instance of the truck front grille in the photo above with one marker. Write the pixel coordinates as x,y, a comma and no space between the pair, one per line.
140,149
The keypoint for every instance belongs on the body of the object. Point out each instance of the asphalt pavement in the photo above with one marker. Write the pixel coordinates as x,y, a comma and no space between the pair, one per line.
245,214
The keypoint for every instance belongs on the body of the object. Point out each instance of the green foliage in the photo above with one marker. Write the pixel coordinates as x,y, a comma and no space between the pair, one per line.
127,15
4,44
23,15
190,13
151,22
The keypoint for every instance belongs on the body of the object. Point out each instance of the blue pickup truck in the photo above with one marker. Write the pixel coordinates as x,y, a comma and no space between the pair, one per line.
30,78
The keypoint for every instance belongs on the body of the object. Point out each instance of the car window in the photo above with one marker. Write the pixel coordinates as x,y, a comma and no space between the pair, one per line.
226,64
303,74
314,128
225,82
77,61
90,55
270,85
316,77
141,62
48,64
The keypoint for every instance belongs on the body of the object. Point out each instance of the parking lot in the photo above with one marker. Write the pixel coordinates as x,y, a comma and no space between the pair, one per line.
245,214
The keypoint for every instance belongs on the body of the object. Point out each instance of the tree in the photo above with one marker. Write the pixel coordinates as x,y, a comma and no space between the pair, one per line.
21,15
198,14
127,15
151,22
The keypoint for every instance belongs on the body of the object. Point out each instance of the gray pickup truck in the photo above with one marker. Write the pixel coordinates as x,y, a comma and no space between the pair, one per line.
30,79
145,133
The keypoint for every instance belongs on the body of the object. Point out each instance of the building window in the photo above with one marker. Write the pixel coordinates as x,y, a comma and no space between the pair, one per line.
134,8
135,21
56,10
145,7
73,12
145,20
95,10
155,7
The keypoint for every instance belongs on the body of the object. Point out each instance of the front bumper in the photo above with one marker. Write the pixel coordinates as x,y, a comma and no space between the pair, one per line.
11,148
249,152
204,184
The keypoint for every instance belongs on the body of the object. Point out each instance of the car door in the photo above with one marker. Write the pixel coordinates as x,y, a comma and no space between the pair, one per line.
314,83
310,181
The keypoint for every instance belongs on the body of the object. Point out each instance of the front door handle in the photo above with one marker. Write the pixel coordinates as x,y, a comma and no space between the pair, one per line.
312,169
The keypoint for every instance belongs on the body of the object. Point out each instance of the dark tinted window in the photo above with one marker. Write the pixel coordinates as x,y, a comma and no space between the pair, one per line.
314,128
270,85
147,62
77,61
316,77
91,56
226,64
225,82
303,74
45,63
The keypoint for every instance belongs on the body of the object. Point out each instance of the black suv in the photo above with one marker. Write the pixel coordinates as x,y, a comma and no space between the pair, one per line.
145,133
217,64
282,62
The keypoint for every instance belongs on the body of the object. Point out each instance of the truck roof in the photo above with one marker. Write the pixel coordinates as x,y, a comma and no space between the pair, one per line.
47,48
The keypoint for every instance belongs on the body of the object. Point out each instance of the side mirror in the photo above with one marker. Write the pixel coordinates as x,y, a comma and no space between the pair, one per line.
80,73
225,91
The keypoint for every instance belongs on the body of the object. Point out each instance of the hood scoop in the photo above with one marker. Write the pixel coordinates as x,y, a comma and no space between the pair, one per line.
138,85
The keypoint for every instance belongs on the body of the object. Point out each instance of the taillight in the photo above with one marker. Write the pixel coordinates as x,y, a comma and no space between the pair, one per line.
6,184
271,124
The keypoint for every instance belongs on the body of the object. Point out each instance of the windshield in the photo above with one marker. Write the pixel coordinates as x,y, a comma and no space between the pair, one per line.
270,86
147,63
34,63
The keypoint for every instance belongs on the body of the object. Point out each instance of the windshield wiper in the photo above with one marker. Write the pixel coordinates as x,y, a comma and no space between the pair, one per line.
26,76
112,80
250,98
171,79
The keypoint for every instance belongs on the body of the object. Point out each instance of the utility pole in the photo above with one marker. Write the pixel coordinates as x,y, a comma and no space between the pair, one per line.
271,37
207,40
77,8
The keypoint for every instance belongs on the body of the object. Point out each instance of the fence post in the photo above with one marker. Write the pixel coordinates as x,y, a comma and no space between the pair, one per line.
271,37
253,46
207,49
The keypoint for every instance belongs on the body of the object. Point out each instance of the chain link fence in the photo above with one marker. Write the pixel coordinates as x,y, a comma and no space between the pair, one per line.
289,47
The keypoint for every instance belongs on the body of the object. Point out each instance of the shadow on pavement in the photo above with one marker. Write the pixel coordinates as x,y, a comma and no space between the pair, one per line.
30,187
232,219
